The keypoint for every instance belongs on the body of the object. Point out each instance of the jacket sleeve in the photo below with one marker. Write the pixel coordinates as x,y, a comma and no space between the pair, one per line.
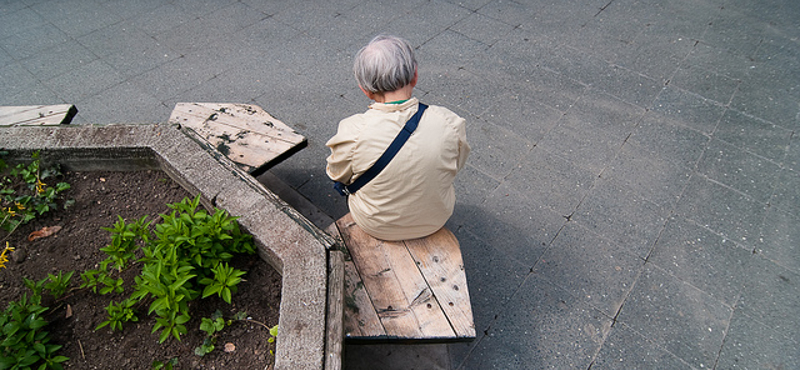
340,166
463,145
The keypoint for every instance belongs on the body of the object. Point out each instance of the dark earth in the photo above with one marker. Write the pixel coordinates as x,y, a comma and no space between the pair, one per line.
99,198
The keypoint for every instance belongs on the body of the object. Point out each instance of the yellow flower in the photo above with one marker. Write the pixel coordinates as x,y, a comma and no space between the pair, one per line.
40,186
3,257
11,212
19,205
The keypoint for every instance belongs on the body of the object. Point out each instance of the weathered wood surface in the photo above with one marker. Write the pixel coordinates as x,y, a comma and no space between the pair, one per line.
412,289
245,133
334,333
37,115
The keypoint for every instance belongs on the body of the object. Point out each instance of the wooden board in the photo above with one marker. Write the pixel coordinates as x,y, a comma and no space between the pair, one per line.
413,289
37,115
245,133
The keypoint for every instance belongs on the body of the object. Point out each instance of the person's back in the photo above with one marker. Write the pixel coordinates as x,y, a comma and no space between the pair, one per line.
413,196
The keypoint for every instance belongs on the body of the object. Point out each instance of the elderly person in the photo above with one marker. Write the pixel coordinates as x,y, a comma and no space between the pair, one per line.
413,196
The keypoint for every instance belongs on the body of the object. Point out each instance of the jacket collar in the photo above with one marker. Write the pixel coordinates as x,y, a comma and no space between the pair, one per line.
395,107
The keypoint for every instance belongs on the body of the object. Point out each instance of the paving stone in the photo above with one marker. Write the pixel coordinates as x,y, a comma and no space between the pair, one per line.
773,102
542,327
492,276
482,28
655,52
491,145
20,20
551,180
725,211
161,19
448,48
623,217
685,108
76,18
60,59
755,135
590,268
9,7
513,62
792,160
625,349
719,60
771,296
16,79
676,316
117,38
473,186
706,83
460,90
128,9
787,192
735,31
40,38
653,177
781,238
125,103
87,80
661,137
592,132
751,345
513,224
427,21
521,112
743,171
702,259
35,94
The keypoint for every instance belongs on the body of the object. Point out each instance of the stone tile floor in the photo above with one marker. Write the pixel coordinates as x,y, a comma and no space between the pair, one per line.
632,197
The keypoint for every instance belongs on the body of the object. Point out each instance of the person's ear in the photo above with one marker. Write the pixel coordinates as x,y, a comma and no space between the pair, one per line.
369,94
414,80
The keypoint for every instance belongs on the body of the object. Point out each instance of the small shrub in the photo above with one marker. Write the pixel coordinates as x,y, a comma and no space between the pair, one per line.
187,254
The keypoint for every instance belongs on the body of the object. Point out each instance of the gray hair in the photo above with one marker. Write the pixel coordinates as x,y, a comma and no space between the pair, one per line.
386,64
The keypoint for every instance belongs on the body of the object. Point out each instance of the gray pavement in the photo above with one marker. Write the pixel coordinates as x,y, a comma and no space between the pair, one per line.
633,195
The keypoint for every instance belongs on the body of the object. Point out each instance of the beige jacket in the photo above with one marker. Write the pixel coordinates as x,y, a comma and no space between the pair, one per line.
413,196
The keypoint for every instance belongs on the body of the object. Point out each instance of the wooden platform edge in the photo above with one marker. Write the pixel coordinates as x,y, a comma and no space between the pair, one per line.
357,324
334,333
37,115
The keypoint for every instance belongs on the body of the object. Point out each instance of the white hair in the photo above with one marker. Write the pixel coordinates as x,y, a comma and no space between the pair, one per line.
386,64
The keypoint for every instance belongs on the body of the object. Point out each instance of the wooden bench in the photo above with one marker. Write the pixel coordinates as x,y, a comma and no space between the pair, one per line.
37,115
245,133
406,290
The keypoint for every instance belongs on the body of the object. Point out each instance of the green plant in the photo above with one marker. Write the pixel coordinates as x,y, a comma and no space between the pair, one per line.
223,283
25,194
119,313
58,284
158,365
25,345
185,255
217,323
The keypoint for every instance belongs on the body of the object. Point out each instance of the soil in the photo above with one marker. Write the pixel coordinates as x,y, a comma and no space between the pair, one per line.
99,198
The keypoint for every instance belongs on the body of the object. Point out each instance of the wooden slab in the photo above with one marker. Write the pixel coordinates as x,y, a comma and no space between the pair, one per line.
37,115
414,289
245,133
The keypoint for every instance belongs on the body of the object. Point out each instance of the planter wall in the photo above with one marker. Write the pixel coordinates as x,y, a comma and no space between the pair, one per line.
285,239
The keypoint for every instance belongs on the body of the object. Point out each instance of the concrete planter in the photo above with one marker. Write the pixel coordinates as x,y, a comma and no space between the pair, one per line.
310,333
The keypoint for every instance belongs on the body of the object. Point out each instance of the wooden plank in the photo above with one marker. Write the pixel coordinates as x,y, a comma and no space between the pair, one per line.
439,259
37,115
245,133
399,293
360,317
334,340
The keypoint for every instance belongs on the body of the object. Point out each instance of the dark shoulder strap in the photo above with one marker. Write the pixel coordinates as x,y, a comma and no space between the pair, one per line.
386,157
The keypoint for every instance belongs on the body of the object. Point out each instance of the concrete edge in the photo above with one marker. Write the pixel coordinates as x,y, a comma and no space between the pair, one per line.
285,239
